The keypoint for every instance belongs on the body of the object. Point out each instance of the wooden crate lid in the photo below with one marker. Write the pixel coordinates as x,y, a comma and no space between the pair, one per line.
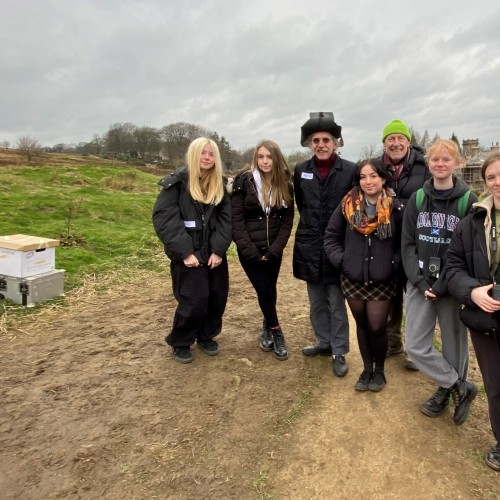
25,242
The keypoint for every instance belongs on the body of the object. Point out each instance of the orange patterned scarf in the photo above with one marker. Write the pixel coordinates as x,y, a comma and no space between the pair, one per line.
353,208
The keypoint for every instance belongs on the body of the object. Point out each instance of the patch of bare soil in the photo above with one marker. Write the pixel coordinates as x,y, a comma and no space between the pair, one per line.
93,406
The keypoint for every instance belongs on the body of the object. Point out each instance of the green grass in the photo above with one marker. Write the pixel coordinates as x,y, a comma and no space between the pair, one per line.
106,211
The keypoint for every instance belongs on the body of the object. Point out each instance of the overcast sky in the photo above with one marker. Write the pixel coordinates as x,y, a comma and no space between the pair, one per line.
250,69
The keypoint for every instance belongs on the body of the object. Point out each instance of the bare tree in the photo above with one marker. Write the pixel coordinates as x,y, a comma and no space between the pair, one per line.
176,138
371,151
6,144
298,156
29,146
120,138
97,143
147,141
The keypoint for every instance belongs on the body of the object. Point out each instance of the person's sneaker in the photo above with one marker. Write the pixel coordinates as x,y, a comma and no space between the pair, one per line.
316,350
493,458
182,354
266,339
209,347
364,380
339,365
279,347
410,365
463,393
394,349
377,383
437,404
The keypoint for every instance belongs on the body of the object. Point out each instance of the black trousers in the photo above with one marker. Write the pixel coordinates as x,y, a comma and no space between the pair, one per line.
201,294
487,348
395,320
264,276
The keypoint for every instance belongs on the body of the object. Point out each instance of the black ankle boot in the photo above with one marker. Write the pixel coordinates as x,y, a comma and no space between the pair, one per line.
279,348
266,339
437,404
462,393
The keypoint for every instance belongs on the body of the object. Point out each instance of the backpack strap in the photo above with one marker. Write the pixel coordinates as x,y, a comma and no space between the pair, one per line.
420,198
462,204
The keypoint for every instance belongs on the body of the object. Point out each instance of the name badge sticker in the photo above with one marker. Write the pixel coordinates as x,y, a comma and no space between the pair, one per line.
189,223
307,175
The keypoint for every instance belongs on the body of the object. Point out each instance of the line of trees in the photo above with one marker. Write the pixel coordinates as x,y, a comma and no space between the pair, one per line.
168,145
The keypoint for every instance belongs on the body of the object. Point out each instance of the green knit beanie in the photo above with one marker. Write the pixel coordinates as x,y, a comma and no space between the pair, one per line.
396,127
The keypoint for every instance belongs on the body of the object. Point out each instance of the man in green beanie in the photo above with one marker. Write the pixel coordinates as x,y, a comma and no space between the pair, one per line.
406,162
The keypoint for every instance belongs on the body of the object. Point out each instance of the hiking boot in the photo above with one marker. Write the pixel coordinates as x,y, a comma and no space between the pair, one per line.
394,349
410,365
182,354
364,380
493,458
377,383
279,347
437,404
209,347
316,350
339,365
266,339
463,393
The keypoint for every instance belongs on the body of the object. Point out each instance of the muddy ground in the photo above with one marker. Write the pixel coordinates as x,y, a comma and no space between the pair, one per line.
93,406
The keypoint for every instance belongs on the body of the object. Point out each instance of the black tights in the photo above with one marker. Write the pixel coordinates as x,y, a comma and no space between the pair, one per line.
371,329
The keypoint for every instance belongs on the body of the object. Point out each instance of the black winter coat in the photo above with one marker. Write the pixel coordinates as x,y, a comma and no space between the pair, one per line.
413,175
364,258
467,265
316,200
254,232
186,226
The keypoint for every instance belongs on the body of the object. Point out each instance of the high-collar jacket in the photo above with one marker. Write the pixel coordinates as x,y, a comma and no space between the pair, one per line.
186,226
316,200
413,175
469,254
364,259
255,232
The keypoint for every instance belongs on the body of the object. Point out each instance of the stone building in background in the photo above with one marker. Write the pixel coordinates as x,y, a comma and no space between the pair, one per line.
474,156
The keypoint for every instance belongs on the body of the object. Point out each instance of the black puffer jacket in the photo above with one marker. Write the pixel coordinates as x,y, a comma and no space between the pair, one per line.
363,258
186,226
413,175
316,200
468,261
254,232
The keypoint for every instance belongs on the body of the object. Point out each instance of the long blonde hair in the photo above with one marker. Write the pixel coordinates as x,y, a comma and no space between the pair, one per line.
278,182
209,187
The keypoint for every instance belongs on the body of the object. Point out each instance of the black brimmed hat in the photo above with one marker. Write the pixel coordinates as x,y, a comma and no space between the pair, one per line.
321,121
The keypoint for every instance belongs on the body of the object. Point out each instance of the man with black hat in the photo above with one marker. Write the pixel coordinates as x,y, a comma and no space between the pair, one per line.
320,184
409,172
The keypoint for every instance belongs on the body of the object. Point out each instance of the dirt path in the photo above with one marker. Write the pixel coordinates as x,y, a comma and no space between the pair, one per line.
93,406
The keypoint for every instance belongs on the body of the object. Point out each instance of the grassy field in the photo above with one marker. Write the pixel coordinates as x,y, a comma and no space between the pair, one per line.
101,213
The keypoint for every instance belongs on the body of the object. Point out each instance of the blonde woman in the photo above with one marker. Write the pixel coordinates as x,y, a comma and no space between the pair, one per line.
262,206
192,218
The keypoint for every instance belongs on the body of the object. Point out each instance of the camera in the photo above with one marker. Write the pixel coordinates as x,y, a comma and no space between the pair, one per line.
434,267
495,292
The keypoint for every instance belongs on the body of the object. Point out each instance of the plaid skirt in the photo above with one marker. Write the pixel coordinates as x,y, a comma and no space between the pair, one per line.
360,291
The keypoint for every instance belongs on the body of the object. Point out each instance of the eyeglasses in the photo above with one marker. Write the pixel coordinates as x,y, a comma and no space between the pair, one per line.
324,140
